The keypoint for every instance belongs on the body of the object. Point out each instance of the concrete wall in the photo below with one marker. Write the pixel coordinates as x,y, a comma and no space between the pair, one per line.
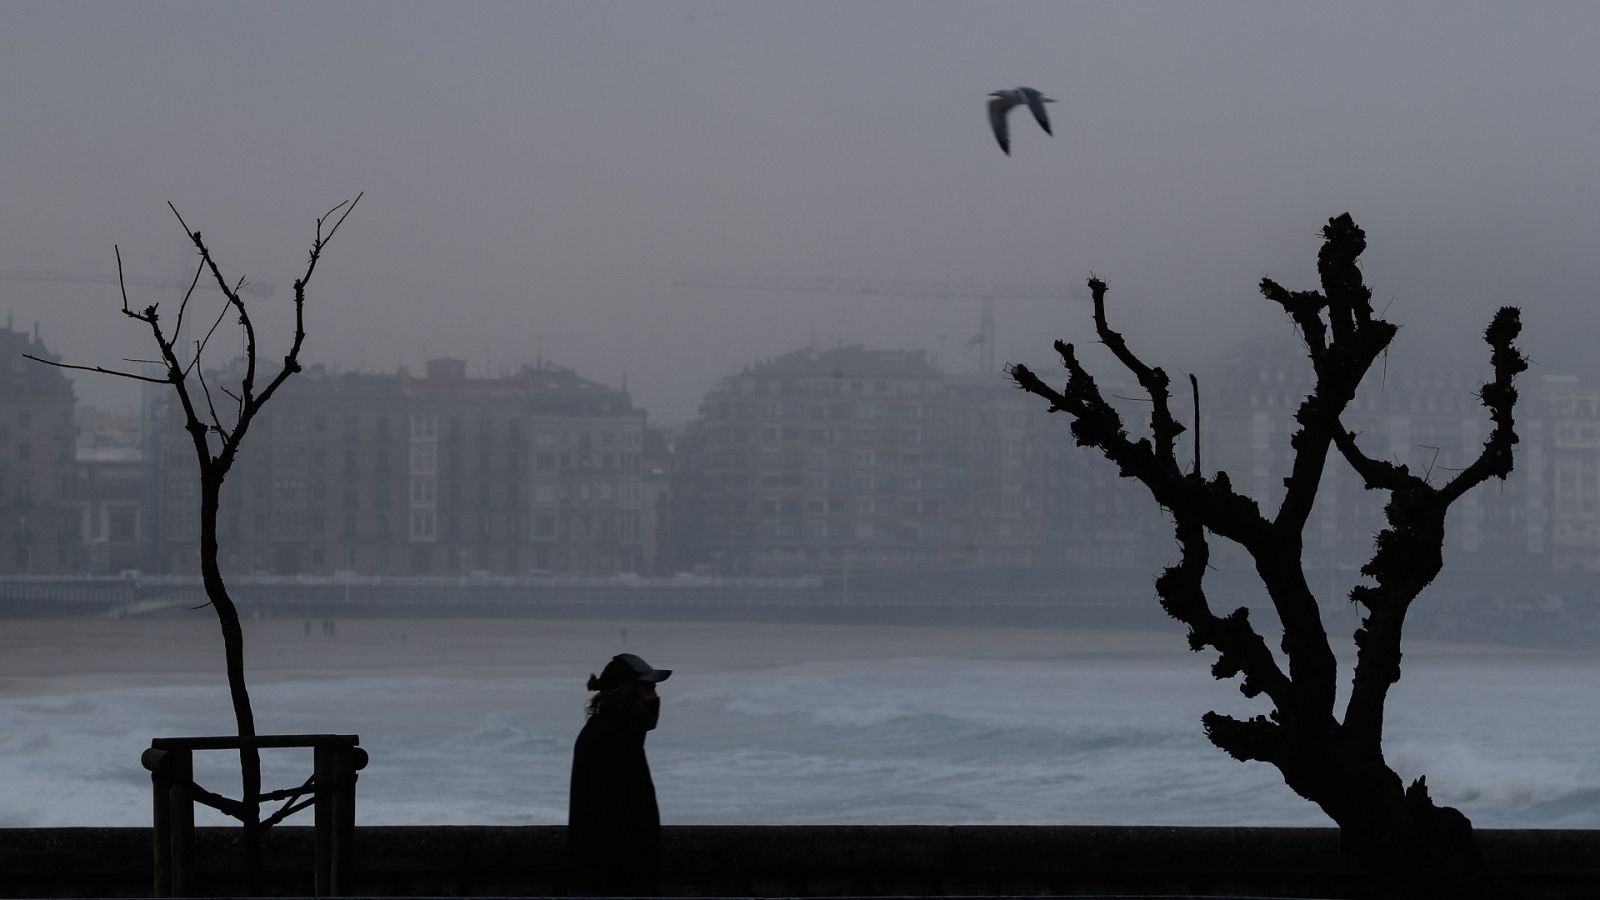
794,861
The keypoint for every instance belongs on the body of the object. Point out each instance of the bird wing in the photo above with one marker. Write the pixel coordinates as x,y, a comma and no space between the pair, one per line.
997,120
1036,106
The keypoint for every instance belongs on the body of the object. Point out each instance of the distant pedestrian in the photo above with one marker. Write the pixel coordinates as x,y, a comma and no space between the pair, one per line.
613,823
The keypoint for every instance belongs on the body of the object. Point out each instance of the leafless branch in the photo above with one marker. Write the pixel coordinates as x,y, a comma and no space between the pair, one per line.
1408,553
291,360
216,421
1305,309
1257,739
1375,473
238,402
351,204
177,328
1499,396
100,369
1241,651
1195,503
1153,379
1194,389
233,299
1340,364
1427,473
123,286
201,347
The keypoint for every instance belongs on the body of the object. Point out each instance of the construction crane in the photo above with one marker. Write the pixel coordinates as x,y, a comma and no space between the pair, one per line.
986,292
265,289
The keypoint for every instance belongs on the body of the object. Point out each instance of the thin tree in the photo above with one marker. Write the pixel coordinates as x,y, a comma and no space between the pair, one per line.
1336,762
216,438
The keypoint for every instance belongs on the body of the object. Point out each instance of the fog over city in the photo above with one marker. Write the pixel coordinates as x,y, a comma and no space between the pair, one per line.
893,589
539,176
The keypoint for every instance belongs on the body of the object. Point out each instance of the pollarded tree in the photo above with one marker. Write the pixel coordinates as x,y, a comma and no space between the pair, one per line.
1334,761
216,438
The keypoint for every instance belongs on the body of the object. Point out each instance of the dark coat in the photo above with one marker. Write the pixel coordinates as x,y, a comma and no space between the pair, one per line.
613,824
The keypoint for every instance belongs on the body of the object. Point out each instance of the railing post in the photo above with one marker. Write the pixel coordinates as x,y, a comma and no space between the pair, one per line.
324,764
180,797
351,761
161,819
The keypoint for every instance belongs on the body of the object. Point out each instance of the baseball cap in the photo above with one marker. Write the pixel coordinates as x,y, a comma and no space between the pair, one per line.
626,667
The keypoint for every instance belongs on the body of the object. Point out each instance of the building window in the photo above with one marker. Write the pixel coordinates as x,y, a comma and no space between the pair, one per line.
422,490
424,457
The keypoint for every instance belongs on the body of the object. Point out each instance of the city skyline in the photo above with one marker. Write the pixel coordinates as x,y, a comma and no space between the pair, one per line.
993,484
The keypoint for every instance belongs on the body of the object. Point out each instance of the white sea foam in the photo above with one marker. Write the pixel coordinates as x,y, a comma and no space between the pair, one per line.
1076,738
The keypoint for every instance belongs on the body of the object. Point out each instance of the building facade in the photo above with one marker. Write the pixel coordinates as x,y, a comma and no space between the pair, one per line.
39,508
112,479
839,463
1574,513
828,461
435,475
1428,419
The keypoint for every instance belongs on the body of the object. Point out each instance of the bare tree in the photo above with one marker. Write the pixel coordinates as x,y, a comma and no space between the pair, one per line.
216,438
1337,763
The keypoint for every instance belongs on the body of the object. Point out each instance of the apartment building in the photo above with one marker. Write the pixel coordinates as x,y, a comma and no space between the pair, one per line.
826,461
441,474
1426,418
39,511
111,486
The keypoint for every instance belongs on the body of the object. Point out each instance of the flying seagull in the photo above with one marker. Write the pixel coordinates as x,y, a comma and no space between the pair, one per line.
1002,103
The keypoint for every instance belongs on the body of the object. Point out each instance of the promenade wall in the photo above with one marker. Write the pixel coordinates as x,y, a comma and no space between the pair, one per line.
794,861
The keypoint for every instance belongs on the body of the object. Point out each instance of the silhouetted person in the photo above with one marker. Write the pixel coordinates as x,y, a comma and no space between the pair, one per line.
613,824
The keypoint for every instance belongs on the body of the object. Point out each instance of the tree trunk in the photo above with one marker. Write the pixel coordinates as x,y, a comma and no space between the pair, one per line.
1417,848
1398,834
233,645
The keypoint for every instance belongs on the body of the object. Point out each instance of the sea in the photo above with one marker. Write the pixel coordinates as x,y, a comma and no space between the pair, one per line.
846,725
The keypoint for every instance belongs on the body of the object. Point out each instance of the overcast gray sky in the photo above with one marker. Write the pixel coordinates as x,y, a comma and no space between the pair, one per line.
538,175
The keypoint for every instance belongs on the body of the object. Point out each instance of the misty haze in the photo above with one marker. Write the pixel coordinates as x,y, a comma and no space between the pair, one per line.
691,330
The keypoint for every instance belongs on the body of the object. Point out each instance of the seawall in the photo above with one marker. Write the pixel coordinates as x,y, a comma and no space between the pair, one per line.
794,861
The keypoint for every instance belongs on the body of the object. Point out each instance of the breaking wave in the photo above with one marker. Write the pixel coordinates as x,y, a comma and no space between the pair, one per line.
1070,740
